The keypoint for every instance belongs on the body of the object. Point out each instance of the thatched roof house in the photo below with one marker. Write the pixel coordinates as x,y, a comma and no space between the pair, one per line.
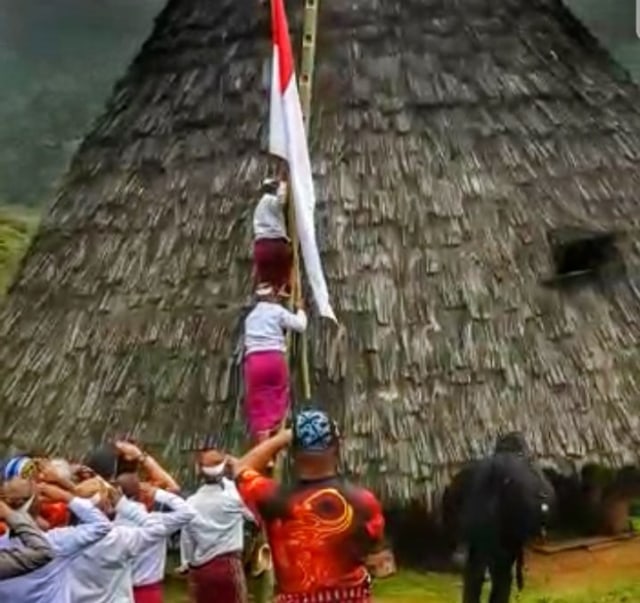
477,175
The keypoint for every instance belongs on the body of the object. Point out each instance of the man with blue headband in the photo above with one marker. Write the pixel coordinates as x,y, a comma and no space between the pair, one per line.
321,529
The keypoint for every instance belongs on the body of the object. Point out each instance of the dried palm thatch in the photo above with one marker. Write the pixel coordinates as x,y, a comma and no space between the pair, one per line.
449,139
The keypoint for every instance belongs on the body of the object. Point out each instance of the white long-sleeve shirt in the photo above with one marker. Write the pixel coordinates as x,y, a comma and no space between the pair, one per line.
268,217
149,566
218,527
266,324
50,583
103,573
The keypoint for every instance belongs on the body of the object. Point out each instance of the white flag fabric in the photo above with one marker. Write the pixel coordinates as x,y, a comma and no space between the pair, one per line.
288,140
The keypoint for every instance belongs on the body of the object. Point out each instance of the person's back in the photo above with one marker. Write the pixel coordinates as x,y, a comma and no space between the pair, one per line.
507,495
266,372
103,573
50,583
43,585
320,532
263,328
506,503
149,565
266,325
218,526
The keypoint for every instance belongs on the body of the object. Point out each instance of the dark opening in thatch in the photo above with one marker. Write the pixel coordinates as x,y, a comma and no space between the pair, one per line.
585,254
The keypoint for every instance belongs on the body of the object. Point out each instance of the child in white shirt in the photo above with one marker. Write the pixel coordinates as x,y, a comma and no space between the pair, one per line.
266,372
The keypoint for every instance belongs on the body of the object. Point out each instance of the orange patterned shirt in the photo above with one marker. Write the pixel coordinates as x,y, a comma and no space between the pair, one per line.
319,532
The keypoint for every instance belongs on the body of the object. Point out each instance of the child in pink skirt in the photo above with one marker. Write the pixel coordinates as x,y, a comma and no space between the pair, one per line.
266,372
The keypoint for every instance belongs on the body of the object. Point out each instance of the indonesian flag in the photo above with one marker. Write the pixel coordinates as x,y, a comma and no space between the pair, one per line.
288,140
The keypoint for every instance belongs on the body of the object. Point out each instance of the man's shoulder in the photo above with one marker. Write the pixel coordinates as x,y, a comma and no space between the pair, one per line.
358,495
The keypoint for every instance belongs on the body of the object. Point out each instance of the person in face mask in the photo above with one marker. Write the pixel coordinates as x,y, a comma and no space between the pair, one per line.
211,544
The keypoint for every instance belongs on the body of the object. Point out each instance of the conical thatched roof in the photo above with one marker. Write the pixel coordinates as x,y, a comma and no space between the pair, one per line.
449,139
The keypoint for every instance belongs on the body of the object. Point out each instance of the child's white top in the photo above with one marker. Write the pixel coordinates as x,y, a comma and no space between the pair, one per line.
265,327
268,217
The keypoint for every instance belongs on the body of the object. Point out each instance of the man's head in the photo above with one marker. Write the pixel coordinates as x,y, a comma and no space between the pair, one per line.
129,484
63,468
315,445
211,465
513,442
19,466
20,494
100,493
103,461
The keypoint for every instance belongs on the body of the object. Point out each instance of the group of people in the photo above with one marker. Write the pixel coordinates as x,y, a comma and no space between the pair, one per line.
97,532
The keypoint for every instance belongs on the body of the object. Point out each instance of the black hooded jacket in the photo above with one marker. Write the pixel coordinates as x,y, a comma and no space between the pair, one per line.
505,499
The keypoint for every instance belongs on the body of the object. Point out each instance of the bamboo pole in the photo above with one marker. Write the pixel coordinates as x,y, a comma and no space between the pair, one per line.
307,65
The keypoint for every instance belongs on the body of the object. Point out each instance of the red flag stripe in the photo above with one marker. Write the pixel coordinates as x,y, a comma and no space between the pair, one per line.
282,42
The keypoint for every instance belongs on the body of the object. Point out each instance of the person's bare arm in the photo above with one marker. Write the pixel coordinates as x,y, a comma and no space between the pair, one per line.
259,457
157,475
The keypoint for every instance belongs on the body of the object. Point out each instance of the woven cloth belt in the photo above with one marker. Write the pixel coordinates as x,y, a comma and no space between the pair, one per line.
355,594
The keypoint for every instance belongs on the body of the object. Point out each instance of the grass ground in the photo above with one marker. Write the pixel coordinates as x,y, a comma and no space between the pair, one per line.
16,229
410,587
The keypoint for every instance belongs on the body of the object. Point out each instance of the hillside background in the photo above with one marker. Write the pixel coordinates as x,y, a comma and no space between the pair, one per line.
59,60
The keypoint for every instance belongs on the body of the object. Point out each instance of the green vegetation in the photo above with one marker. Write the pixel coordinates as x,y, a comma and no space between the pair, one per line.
58,63
411,587
16,229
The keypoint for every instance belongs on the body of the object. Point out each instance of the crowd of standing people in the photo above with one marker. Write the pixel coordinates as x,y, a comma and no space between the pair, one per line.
97,532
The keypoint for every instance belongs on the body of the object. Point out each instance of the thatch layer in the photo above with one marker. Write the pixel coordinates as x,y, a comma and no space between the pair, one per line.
448,137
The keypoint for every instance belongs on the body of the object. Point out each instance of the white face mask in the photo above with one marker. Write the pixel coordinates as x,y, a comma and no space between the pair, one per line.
215,470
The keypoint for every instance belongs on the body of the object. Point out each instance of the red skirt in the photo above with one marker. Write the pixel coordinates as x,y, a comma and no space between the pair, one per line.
221,580
149,593
355,594
273,261
266,379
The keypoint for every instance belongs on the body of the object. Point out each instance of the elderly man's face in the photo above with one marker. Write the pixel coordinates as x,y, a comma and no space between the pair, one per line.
17,492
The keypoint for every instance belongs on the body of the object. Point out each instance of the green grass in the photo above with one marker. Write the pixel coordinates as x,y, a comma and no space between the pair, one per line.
412,587
17,226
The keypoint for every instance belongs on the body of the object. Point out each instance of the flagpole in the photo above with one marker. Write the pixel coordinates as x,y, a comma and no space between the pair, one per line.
310,27
266,583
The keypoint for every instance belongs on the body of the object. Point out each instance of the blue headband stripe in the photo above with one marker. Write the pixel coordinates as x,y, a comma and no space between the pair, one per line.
15,467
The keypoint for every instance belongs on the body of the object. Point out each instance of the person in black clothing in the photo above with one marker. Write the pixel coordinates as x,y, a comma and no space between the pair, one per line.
503,501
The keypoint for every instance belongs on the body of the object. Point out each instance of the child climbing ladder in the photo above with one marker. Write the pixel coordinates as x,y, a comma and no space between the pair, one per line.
266,372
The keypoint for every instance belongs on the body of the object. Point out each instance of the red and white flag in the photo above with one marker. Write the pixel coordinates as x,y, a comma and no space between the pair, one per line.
288,140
